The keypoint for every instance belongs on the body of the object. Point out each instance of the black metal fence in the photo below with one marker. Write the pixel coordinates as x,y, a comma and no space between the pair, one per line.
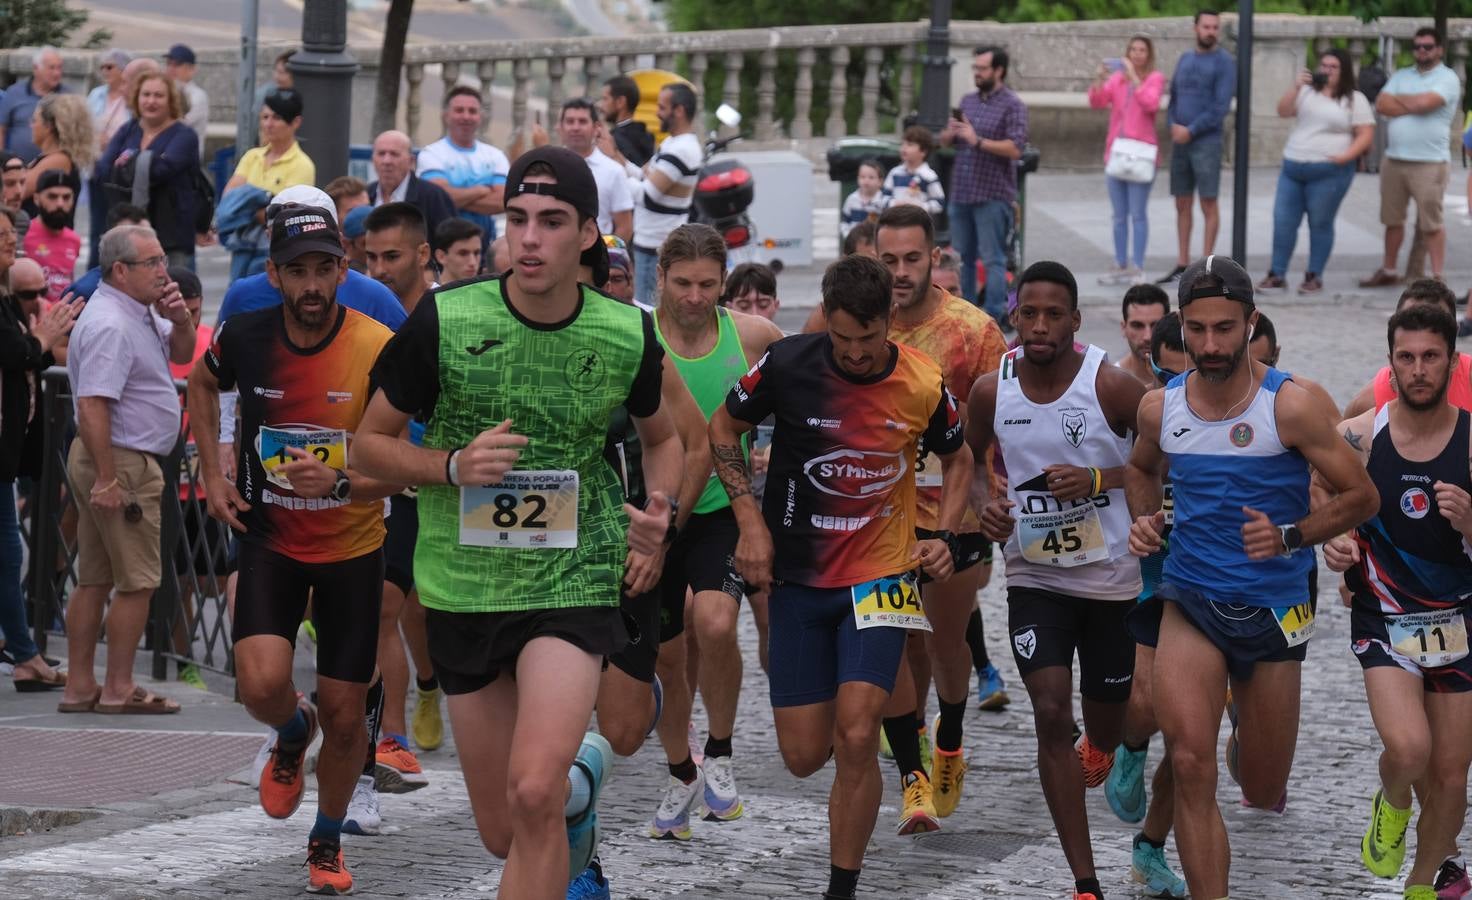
188,616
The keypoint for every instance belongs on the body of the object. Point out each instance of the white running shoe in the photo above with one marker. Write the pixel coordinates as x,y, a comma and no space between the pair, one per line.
672,819
363,813
722,801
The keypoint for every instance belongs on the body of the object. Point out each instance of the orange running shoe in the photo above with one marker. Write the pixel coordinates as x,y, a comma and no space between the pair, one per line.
1095,762
326,872
282,778
396,768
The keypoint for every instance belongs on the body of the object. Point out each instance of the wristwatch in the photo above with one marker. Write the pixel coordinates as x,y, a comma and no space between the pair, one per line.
953,544
1292,538
342,489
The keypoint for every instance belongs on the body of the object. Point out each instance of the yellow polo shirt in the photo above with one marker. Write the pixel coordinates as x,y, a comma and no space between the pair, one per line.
294,167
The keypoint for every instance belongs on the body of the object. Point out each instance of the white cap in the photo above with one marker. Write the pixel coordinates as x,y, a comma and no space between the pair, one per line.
307,195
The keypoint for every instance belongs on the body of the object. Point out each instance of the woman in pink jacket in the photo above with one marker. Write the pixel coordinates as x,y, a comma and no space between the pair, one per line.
1131,92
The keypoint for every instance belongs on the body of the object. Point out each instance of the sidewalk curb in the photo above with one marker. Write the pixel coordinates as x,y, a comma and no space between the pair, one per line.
18,820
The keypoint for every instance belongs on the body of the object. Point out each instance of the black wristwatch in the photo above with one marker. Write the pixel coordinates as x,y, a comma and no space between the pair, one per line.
1292,538
674,530
953,544
342,489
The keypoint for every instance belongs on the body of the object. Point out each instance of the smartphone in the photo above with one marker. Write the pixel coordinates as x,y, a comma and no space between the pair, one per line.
1319,79
956,113
1114,63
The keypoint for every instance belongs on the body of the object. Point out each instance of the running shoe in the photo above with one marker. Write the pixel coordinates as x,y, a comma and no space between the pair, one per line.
591,885
672,819
1383,847
1452,882
925,749
692,740
396,768
263,755
1116,275
190,675
658,687
1172,276
1419,892
722,801
946,778
326,872
1095,762
363,815
428,727
1086,895
991,691
1125,786
282,779
595,759
918,815
1148,867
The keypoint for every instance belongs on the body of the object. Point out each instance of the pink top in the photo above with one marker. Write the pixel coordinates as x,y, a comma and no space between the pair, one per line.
1131,109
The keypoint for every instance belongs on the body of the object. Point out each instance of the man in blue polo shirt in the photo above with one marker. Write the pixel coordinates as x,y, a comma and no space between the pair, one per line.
20,99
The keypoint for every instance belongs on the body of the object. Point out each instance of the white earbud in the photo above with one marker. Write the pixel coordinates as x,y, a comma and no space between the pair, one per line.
1250,330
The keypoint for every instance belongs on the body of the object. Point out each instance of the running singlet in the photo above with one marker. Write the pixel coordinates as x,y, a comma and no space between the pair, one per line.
1458,392
466,360
308,398
967,344
1411,558
840,498
709,379
1216,468
1078,548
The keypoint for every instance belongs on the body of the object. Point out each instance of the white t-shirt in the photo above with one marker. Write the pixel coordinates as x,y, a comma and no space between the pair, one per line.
613,189
679,158
464,167
1325,126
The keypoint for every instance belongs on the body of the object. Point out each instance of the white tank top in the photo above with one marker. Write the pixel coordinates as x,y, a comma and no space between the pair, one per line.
1079,548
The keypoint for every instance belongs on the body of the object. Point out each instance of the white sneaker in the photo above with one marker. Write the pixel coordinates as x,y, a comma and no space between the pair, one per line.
1115,275
263,755
363,814
672,819
722,802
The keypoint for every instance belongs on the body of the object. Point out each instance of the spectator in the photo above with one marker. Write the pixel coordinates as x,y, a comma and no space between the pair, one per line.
12,189
20,99
26,339
1419,102
866,203
108,102
270,168
280,80
398,251
578,127
620,284
1334,127
127,423
134,70
152,163
751,288
117,214
913,181
179,64
457,250
51,242
631,139
471,171
1132,95
989,135
62,130
1200,95
861,240
500,255
946,274
667,184
393,160
347,193
355,230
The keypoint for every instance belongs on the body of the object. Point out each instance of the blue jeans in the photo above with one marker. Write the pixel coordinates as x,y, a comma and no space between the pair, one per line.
979,231
12,602
1129,200
645,282
1315,188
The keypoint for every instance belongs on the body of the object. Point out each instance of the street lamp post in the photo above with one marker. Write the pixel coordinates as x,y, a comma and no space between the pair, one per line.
1243,143
323,72
935,78
245,109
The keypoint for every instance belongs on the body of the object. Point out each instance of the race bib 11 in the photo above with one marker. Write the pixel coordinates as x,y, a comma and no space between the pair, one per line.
1429,639
536,510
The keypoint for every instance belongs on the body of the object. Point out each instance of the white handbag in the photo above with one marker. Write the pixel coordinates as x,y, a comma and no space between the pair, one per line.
1131,160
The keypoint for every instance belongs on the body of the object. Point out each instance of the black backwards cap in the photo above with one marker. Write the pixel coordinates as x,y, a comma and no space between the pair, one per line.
574,186
1214,276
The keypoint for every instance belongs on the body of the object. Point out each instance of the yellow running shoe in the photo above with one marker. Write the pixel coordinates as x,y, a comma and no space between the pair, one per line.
918,815
946,775
1419,892
428,727
1383,847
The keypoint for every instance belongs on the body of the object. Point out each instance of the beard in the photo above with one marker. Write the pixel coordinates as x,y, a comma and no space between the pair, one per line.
985,85
55,219
309,318
918,292
1206,43
1222,367
1437,398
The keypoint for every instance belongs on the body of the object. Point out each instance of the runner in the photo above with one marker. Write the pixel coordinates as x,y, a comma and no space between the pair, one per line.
967,344
1070,578
520,579
307,522
1125,787
1142,307
1411,578
1382,388
1240,438
712,348
851,409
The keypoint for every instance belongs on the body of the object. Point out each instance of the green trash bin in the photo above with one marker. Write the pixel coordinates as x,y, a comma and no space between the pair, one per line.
844,158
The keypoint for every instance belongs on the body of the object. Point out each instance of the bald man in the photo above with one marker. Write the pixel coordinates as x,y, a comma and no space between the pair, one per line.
393,160
26,282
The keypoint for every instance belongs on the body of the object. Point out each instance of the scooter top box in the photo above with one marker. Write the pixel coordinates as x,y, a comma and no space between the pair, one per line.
725,188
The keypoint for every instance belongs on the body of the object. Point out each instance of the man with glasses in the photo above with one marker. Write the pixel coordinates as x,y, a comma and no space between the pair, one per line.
108,102
127,420
1419,101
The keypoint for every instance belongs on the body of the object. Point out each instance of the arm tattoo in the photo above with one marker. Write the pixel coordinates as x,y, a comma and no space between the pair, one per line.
1353,439
732,469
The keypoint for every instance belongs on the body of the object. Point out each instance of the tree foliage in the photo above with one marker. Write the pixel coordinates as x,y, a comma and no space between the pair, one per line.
35,23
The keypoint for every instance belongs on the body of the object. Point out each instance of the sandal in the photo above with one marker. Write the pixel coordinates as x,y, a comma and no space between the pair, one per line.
143,703
1381,278
41,683
80,706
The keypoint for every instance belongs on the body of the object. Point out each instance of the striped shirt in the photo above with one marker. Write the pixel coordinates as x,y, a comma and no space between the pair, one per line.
921,187
656,213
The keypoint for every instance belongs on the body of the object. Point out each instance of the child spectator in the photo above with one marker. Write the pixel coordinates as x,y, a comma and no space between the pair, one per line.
913,180
866,203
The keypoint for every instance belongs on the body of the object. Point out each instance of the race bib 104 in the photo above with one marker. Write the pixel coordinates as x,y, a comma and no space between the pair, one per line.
892,602
536,510
273,443
1429,639
1296,622
1068,538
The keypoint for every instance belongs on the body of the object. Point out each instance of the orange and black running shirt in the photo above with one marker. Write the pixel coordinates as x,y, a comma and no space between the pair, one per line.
311,398
840,496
